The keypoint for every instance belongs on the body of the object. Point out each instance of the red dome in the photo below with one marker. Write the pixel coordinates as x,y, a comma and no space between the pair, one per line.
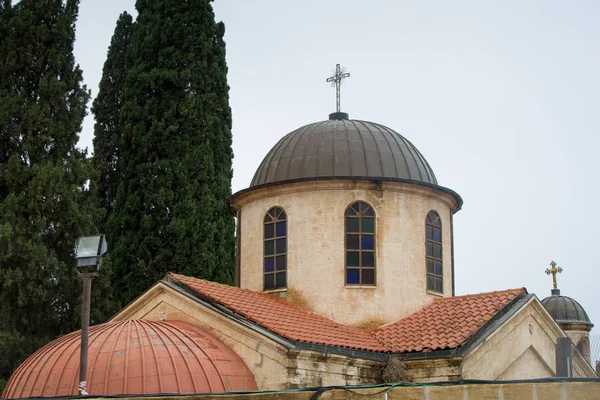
133,357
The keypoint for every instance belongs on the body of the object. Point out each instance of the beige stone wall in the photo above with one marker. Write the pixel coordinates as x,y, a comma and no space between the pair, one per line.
312,369
436,370
522,348
577,336
315,212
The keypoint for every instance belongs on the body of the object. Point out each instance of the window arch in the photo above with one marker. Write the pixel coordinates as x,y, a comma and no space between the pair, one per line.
360,244
275,249
433,245
584,347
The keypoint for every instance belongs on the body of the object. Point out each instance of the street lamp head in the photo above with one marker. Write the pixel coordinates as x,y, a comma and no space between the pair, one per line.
89,251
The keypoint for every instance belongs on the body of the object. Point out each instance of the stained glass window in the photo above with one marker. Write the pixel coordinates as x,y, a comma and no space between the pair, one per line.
275,249
360,244
433,250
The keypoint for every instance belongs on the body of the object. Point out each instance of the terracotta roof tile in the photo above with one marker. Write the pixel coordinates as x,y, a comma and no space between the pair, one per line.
443,323
283,317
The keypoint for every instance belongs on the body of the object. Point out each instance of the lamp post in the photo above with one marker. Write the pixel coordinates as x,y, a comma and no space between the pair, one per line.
88,254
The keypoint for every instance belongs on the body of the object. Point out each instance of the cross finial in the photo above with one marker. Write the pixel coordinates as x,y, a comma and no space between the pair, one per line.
554,270
336,79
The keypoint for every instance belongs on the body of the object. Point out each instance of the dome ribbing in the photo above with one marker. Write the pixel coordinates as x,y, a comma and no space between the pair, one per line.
340,148
564,309
133,357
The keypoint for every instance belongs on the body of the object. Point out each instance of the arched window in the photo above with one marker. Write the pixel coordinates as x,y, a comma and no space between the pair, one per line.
275,249
584,347
360,244
433,244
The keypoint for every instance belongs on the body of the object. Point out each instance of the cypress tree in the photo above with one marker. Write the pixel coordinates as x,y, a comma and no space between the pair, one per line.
175,152
44,201
106,109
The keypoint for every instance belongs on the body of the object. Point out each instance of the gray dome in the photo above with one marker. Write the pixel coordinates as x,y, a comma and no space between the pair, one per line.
340,148
565,309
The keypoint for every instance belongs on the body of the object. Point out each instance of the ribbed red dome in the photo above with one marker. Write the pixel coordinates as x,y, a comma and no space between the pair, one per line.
133,357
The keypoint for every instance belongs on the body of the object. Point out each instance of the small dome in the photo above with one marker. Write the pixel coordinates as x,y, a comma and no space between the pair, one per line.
133,357
341,148
565,310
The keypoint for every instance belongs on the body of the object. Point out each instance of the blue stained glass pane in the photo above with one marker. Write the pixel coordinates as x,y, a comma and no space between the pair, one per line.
268,218
356,206
269,264
368,259
273,212
437,235
280,214
350,211
428,218
269,247
281,245
367,242
438,268
269,231
269,281
430,283
429,249
429,230
352,258
352,242
367,225
430,266
352,224
368,212
368,276
352,276
437,251
438,285
281,263
281,228
280,280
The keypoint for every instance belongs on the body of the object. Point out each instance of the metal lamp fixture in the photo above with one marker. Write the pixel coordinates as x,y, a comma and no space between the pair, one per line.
90,250
88,254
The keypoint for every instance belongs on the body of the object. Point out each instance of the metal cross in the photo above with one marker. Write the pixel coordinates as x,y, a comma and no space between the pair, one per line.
554,270
340,73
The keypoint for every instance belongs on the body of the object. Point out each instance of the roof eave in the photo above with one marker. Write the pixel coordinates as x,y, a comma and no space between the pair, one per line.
455,195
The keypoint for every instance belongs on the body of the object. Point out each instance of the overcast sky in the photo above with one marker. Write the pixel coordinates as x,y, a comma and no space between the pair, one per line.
501,97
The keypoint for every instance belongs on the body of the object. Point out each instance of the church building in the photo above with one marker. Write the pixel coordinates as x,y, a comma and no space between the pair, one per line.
345,276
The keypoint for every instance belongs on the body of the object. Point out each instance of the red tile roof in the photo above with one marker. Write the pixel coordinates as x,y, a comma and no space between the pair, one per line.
283,317
443,323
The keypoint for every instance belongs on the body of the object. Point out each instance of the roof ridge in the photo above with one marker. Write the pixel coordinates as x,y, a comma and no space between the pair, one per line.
462,296
175,275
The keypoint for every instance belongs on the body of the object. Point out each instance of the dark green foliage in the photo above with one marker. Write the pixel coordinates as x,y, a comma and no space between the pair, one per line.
44,203
171,212
106,109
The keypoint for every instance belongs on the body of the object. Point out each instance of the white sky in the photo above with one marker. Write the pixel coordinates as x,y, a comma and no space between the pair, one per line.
501,97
